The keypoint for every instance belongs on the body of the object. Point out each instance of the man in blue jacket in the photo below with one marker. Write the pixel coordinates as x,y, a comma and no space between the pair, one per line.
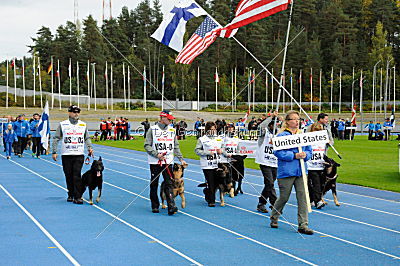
21,128
36,138
340,129
387,128
371,129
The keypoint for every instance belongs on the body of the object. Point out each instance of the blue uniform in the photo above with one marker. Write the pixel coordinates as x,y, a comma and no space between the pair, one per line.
288,165
387,124
340,125
371,126
9,137
378,126
33,129
21,128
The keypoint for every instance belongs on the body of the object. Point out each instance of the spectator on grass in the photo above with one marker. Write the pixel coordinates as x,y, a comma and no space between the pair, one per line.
378,127
110,125
289,174
146,126
103,129
340,129
387,128
371,129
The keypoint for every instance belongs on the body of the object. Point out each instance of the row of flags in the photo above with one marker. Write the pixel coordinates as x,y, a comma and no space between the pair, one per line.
172,29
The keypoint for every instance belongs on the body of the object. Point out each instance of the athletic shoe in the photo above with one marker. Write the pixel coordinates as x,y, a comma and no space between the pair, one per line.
274,223
155,210
70,199
211,204
305,231
320,204
8,157
261,208
78,201
33,155
38,157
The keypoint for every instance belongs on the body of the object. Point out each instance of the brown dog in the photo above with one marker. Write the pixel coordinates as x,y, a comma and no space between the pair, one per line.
178,185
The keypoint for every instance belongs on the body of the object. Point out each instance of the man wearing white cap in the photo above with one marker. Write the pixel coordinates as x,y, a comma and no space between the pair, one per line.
161,145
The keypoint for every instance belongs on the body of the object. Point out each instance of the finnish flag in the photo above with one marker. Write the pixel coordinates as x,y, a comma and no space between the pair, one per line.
173,27
44,127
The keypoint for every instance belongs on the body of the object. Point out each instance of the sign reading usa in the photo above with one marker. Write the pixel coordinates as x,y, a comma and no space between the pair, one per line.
300,140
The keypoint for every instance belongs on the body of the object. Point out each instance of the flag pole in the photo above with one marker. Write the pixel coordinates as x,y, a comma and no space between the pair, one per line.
332,90
94,86
52,83
34,80
232,89
129,89
106,79
77,81
216,89
59,82
70,81
394,88
352,91
145,89
340,91
40,84
272,89
198,88
254,88
301,86
112,89
374,90
162,87
23,80
266,92
311,89
320,90
7,86
88,84
15,78
124,78
291,88
361,101
235,88
380,92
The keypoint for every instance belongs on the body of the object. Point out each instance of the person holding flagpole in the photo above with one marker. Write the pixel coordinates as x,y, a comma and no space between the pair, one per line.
289,174
36,138
73,134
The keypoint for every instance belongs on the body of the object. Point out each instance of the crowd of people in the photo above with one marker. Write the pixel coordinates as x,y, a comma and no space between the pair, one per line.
119,129
377,132
21,134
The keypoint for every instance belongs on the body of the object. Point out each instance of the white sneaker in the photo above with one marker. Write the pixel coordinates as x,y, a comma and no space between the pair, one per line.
320,204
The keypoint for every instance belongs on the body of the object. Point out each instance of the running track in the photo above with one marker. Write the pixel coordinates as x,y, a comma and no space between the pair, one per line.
38,226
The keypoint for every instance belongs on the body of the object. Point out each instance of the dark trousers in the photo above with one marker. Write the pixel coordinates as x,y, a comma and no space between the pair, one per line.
238,170
108,133
8,148
21,145
268,192
37,145
370,132
103,135
315,183
341,134
120,133
155,171
387,134
211,178
72,166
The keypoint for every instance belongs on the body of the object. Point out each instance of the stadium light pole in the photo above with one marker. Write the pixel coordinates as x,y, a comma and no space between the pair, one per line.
386,86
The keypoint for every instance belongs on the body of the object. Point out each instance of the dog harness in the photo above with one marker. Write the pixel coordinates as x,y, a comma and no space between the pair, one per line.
73,142
210,145
265,152
163,142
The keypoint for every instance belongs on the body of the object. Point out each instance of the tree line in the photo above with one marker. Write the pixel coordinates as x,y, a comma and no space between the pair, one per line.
331,34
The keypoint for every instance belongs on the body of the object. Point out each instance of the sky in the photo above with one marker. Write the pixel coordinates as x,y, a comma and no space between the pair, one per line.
21,19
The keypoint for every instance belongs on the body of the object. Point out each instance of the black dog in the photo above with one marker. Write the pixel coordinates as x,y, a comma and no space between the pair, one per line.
223,182
93,179
330,176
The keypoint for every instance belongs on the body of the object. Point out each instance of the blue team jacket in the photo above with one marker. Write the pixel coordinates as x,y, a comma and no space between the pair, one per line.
377,127
370,126
288,165
10,136
340,125
33,130
21,128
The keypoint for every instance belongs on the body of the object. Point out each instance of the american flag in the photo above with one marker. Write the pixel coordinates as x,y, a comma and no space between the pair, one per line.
201,39
249,11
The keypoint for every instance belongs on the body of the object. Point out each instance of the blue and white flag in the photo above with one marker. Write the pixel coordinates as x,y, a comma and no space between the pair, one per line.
393,119
173,27
44,127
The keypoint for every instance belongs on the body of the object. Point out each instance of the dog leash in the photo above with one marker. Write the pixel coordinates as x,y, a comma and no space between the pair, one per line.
87,160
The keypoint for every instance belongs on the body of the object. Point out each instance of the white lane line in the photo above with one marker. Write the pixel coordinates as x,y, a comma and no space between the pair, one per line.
49,236
247,173
325,234
293,205
113,216
200,219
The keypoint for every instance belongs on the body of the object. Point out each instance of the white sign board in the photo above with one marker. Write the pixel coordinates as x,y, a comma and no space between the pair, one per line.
3,120
247,147
300,140
387,128
351,128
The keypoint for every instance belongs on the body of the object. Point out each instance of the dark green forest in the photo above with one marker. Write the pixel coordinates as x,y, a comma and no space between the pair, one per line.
334,34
